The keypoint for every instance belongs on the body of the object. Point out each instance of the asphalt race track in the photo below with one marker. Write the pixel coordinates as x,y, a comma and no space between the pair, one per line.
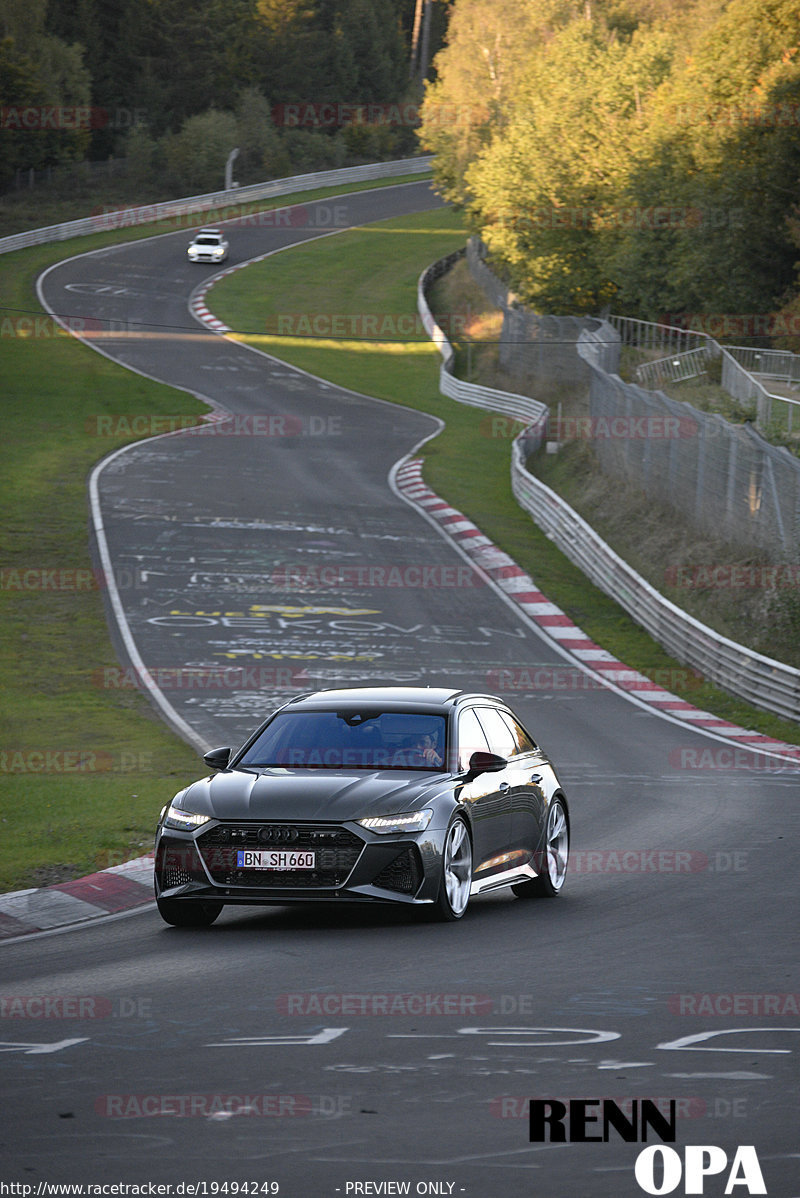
369,1051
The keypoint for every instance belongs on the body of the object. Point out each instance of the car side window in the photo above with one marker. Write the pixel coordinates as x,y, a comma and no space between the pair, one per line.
521,739
471,738
497,732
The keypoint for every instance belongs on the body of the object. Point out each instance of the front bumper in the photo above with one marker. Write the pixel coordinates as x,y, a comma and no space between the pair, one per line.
351,864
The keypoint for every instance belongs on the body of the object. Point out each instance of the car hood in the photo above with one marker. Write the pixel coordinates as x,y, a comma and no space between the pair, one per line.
310,794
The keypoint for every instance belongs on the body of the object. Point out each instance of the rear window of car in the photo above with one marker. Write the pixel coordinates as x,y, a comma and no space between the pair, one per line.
379,740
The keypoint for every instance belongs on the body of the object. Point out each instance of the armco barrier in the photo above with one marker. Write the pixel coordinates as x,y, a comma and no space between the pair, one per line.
149,213
519,407
760,680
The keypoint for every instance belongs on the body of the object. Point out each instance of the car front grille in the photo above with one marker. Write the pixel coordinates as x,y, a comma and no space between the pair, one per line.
336,849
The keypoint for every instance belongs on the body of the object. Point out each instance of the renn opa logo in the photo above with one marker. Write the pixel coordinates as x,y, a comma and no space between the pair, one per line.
659,1169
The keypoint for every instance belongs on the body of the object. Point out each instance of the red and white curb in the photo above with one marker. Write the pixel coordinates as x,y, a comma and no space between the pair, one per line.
520,588
119,888
198,306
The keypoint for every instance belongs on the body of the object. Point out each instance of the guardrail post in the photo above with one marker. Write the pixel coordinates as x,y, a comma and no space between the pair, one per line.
730,513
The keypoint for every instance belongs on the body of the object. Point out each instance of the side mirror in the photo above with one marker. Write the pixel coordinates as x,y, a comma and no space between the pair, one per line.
217,758
482,762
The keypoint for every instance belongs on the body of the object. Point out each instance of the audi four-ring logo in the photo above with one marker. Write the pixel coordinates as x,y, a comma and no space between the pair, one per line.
275,833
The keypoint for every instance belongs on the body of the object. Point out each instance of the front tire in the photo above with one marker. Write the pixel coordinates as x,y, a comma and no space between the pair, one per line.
456,878
182,914
555,857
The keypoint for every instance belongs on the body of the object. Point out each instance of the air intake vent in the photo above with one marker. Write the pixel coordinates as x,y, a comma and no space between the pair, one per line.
404,874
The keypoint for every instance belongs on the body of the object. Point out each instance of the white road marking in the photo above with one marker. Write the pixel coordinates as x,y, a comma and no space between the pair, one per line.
322,1037
33,1049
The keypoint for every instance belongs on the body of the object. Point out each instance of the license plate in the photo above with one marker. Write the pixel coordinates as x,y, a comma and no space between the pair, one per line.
273,859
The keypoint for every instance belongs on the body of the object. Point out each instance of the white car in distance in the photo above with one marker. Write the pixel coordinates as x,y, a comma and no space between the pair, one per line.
208,245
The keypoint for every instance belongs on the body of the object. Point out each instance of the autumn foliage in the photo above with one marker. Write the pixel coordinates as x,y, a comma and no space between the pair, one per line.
637,154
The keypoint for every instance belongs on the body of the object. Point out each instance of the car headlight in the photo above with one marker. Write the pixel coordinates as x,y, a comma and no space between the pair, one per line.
417,821
187,821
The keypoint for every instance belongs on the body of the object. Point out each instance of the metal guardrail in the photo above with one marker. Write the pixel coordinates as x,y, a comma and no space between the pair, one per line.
149,213
766,683
529,412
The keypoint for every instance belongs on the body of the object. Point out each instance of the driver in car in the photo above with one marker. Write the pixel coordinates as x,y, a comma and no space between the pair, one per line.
426,749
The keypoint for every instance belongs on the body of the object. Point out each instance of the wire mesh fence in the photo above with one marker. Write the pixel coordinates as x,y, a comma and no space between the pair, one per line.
768,683
725,478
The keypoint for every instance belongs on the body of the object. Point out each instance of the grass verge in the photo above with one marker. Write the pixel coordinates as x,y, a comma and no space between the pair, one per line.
84,768
372,273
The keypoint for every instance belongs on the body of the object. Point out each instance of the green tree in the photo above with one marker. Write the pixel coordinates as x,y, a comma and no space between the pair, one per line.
722,149
477,71
46,76
634,152
262,154
195,156
544,192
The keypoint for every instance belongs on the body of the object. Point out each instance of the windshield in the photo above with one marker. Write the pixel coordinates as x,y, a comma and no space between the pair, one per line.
209,239
383,740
